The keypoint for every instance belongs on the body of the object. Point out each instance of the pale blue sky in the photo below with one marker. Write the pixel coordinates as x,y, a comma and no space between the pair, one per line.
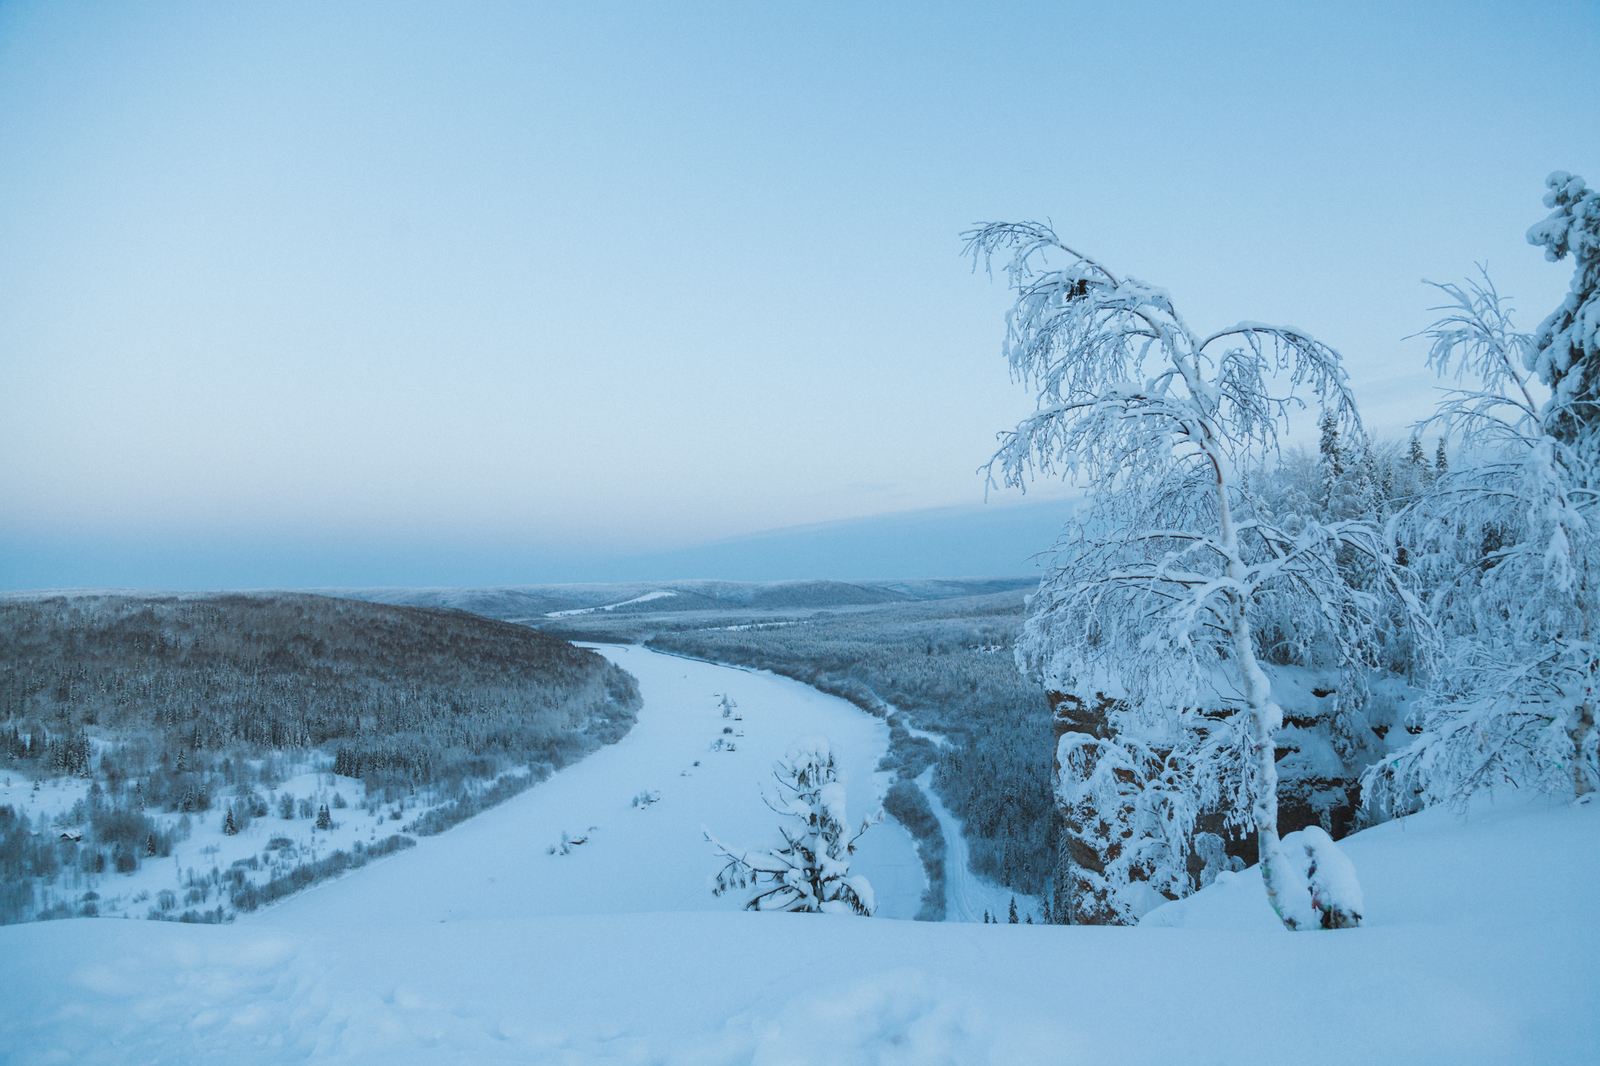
529,282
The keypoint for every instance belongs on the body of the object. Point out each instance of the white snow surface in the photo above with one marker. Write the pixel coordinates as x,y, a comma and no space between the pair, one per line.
1480,943
658,594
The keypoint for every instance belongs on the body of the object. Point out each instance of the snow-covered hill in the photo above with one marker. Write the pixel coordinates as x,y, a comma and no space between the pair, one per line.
1481,942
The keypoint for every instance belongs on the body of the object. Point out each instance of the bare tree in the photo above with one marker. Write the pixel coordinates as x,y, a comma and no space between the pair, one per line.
1159,592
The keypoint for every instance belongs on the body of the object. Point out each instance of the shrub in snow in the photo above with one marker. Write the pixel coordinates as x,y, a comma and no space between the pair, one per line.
1159,593
569,842
810,869
1321,886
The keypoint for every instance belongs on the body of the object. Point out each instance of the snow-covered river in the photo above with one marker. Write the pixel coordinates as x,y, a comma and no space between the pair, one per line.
699,768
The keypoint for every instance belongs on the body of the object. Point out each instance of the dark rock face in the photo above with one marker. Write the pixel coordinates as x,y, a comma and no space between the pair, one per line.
1092,838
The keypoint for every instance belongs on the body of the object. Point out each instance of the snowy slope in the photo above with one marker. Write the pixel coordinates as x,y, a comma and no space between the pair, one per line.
1464,975
1481,944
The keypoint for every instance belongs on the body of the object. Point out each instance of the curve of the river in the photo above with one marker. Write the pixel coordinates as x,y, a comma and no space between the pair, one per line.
697,767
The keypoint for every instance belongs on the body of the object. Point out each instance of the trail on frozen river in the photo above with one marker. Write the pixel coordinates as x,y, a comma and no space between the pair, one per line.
638,807
968,897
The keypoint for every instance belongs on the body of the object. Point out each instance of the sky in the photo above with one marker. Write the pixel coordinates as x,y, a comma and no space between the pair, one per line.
298,294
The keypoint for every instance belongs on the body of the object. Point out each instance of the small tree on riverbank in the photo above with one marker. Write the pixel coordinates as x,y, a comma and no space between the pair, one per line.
810,869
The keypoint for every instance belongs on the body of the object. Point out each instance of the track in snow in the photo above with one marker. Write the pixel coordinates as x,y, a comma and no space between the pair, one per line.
966,895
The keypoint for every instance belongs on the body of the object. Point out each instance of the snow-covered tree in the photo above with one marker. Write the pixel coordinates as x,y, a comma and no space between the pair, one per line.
1418,459
1146,630
810,869
1565,352
1508,545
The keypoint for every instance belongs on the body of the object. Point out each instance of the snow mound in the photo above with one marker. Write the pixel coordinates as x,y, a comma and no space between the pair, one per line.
897,1018
1500,863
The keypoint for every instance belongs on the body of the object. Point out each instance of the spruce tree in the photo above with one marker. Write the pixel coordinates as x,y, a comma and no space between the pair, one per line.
810,871
324,819
230,826
1332,457
1013,918
1566,347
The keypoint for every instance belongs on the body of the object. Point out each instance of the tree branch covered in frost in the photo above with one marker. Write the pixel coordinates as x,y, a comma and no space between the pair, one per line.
810,870
1508,548
1159,590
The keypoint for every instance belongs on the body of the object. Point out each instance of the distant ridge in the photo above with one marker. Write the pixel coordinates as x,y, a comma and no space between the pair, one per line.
884,551
528,602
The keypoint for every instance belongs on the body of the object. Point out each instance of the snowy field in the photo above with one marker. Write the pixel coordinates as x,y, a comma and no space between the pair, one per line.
188,880
480,946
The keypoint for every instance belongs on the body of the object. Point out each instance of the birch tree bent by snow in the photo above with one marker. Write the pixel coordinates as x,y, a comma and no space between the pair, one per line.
1147,628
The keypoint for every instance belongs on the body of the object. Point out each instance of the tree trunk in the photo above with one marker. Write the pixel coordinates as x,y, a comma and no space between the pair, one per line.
1265,718
1581,724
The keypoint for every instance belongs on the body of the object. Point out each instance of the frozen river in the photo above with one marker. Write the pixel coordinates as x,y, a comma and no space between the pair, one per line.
700,768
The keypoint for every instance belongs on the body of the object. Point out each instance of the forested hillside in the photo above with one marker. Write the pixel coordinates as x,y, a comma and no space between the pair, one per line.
181,704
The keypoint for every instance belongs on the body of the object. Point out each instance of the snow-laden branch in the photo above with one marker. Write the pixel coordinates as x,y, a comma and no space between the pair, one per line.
1510,549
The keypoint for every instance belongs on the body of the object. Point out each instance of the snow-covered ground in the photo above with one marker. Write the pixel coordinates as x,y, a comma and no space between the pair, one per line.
188,879
658,594
1481,944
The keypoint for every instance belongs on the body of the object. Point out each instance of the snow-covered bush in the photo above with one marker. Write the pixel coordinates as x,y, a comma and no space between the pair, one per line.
810,869
1321,885
1161,588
